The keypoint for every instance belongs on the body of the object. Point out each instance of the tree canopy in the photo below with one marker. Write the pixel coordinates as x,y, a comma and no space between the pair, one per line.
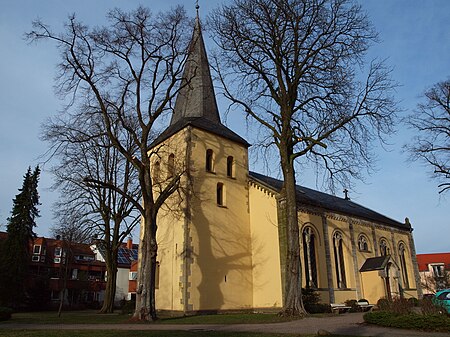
15,251
296,67
128,73
431,143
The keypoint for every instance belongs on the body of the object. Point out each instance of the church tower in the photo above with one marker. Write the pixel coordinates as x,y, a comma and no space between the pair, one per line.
204,254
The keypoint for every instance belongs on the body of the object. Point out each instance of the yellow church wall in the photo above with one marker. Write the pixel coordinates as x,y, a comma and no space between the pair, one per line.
235,247
373,286
170,234
222,272
267,291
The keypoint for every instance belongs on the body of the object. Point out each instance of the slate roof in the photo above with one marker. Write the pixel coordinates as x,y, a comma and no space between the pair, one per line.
196,102
196,97
423,260
307,196
375,263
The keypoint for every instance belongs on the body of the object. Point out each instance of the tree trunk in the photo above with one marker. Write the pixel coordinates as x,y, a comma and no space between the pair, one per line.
110,291
148,249
292,304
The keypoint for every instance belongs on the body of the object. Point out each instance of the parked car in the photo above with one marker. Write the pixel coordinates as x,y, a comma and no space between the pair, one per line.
442,298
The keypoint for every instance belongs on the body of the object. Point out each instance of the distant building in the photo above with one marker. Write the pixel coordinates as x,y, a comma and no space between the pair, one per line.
51,258
222,244
434,271
127,254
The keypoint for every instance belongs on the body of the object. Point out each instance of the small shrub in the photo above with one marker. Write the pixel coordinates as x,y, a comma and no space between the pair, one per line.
128,307
414,302
353,304
310,296
5,313
318,308
383,304
311,302
400,306
409,321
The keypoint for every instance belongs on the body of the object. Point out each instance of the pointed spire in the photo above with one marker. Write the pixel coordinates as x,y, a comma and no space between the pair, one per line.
196,98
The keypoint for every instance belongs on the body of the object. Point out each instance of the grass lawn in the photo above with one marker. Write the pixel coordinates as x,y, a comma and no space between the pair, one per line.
112,333
92,317
69,317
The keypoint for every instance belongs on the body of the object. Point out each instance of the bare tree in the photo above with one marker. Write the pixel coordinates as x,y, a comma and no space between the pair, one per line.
434,283
431,121
129,72
293,66
85,154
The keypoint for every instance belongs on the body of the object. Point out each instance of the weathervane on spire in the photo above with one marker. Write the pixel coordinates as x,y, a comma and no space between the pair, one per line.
196,5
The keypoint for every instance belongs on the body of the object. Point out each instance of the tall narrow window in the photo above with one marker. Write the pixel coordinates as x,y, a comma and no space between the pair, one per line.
363,246
220,194
402,252
384,248
157,273
309,253
209,160
339,260
156,171
230,167
171,166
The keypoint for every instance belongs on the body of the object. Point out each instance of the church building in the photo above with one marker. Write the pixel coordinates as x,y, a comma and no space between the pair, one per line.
221,237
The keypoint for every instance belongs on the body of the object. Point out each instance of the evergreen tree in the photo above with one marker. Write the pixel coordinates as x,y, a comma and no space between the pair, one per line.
15,249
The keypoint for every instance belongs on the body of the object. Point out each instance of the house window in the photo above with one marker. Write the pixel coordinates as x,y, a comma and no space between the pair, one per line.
363,246
58,251
36,249
35,258
402,252
438,270
209,160
156,171
230,167
220,194
133,276
339,260
309,253
55,295
171,166
384,248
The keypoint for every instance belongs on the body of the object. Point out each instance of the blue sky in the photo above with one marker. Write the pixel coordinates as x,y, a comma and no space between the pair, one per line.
415,38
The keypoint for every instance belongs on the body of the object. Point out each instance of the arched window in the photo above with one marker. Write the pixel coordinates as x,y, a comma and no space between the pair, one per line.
230,167
363,245
309,253
156,171
402,253
209,160
171,166
339,260
384,248
221,194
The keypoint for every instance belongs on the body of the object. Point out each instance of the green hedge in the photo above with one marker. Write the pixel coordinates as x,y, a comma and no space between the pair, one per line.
409,321
5,313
